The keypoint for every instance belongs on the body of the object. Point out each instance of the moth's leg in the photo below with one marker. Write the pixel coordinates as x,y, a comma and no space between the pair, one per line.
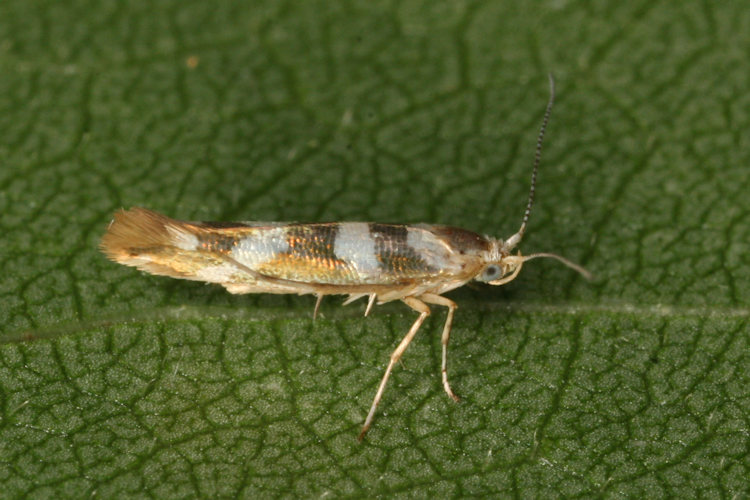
439,300
423,311
317,305
370,303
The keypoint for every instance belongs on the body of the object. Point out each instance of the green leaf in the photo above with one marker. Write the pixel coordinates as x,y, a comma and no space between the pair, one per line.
114,383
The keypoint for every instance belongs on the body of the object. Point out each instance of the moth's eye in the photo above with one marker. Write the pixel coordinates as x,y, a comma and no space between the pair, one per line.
491,272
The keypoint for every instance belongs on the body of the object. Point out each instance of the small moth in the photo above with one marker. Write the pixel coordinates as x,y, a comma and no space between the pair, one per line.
415,264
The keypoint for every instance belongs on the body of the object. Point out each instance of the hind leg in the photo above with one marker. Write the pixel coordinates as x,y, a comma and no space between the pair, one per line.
423,311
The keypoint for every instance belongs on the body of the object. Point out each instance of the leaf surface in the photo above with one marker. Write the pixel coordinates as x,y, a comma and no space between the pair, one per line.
115,383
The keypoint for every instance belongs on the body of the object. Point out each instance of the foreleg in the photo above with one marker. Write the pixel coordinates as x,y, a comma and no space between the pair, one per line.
439,300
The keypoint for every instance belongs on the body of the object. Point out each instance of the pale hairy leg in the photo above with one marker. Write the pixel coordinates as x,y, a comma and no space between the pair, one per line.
423,311
439,300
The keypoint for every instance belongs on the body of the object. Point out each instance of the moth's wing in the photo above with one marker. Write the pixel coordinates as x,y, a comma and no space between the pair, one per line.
200,251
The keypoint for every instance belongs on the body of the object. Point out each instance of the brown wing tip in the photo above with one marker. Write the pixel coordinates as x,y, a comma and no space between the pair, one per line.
131,230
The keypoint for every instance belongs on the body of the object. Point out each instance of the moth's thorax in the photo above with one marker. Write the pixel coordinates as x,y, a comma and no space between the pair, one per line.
497,251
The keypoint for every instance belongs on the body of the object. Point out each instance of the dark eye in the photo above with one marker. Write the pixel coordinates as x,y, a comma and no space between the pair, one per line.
491,272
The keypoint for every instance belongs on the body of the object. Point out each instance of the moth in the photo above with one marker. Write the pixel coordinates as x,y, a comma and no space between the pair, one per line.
416,264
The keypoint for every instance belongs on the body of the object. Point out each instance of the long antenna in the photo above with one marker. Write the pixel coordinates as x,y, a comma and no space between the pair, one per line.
516,238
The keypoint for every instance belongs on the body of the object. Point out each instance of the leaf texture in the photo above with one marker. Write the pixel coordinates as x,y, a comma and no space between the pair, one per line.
118,384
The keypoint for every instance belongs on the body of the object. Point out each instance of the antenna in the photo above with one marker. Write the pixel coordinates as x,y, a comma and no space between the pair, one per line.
516,238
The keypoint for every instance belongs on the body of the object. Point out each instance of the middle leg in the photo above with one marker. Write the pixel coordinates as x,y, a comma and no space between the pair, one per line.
423,311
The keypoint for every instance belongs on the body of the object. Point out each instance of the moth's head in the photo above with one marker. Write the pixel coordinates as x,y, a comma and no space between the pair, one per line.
501,266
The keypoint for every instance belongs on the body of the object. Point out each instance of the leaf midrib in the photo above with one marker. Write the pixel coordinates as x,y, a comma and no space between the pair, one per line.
188,313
